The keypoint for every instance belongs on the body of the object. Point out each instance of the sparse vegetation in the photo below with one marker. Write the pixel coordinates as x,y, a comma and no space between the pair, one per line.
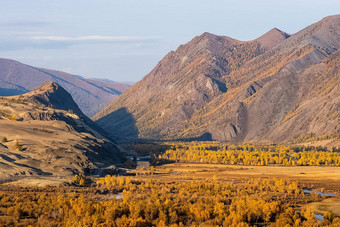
312,137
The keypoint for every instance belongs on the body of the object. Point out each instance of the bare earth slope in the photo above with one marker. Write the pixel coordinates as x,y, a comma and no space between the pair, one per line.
275,88
54,136
91,95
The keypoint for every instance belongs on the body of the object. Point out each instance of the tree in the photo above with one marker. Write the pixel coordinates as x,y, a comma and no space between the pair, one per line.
76,179
14,118
4,139
82,182
17,145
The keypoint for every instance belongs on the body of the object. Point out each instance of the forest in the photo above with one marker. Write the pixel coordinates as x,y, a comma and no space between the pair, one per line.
251,154
147,202
177,194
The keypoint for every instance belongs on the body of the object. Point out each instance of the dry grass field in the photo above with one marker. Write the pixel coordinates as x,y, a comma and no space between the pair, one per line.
330,204
302,173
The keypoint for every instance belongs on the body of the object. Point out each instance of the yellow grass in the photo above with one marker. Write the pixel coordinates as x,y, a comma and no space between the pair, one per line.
237,171
330,204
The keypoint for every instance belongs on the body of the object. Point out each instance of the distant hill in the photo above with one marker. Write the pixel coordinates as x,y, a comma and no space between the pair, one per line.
90,94
54,137
274,88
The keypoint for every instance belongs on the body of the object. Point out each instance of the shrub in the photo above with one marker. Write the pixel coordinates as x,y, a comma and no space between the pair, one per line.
4,139
80,179
14,118
17,145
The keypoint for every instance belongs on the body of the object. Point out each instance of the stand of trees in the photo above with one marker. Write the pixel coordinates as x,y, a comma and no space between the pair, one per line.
145,202
248,154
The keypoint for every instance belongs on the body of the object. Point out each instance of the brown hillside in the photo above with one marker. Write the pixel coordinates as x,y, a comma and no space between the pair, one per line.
225,89
54,137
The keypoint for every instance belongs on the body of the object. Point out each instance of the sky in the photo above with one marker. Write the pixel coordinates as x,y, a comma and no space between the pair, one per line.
123,40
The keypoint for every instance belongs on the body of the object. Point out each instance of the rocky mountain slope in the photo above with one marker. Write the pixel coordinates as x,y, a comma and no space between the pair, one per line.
276,87
91,95
44,132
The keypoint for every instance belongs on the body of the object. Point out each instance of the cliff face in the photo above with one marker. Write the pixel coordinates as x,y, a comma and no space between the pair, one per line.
275,88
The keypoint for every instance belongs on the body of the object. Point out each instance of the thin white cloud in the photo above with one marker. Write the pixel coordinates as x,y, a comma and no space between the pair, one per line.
40,40
95,38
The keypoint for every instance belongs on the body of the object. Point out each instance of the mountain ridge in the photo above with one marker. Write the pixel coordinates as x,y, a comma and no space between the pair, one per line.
209,86
91,96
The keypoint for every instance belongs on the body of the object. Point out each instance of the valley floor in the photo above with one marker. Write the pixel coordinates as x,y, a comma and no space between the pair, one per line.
323,176
244,182
283,186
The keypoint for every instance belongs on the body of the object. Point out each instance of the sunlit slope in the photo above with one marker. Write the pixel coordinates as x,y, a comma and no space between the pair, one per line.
45,133
275,88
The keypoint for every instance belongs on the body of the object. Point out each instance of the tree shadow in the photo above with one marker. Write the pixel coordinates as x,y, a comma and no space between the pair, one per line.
120,124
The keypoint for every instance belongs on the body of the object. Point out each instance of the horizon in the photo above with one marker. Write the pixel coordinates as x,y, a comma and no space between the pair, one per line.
104,39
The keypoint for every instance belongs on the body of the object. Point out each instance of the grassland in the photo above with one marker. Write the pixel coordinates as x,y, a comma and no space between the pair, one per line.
303,173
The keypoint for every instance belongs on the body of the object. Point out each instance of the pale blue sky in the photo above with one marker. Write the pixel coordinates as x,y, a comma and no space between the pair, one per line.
124,39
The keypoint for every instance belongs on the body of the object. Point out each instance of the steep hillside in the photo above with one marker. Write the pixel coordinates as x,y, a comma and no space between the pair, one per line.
90,95
43,132
214,87
181,84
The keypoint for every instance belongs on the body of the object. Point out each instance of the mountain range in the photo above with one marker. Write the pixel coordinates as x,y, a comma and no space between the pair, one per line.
275,88
91,95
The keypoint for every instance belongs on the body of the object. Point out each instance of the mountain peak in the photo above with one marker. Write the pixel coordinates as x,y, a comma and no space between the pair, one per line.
275,31
208,35
272,38
48,86
51,93
217,38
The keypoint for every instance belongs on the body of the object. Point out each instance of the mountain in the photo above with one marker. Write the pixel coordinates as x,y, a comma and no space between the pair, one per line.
272,38
91,95
44,132
274,88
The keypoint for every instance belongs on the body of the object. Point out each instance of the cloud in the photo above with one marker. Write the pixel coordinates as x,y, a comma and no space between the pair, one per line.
96,38
38,41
